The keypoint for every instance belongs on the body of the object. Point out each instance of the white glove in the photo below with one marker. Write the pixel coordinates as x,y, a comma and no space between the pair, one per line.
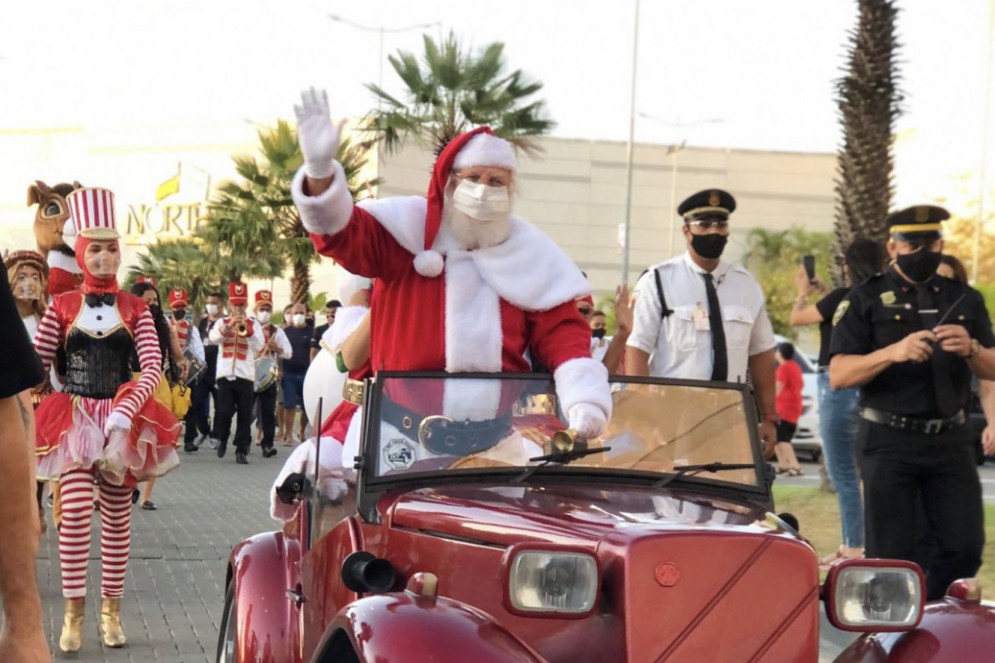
588,420
116,421
317,136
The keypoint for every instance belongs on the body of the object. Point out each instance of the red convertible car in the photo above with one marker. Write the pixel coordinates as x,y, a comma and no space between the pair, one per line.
501,537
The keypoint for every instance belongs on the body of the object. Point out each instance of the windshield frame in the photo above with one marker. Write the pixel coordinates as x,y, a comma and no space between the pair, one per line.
371,488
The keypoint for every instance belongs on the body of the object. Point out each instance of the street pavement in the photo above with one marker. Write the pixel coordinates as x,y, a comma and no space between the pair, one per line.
174,592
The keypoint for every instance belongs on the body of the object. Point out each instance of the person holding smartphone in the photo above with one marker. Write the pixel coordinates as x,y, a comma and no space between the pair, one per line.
838,408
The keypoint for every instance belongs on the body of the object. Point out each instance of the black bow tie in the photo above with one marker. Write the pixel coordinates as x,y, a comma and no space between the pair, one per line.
100,300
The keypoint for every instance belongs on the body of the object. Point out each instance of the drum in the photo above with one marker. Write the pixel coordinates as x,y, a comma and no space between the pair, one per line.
265,373
197,367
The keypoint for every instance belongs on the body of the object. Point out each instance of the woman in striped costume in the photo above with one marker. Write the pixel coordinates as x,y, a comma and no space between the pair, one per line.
103,427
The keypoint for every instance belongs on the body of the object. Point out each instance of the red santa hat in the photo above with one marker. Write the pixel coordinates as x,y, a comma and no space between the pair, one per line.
263,298
479,147
178,298
238,293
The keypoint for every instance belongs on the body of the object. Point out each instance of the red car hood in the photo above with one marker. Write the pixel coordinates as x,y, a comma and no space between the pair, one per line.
504,515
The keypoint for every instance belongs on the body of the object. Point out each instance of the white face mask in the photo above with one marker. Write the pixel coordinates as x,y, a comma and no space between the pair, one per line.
298,319
482,202
264,316
212,309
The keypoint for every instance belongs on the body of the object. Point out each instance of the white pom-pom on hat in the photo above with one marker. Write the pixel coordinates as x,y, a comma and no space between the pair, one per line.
486,149
429,263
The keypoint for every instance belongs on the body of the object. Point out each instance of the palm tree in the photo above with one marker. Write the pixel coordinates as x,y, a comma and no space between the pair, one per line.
869,102
182,264
253,222
452,91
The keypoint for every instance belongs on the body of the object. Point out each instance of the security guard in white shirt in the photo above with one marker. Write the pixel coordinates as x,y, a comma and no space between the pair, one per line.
698,317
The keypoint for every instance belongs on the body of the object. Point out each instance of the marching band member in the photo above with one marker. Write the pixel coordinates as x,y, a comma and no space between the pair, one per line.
190,342
240,340
276,346
103,426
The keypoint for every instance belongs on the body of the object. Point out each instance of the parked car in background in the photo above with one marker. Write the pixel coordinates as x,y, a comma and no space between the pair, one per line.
807,441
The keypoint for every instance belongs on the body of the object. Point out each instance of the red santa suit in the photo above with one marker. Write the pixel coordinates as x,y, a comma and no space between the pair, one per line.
442,307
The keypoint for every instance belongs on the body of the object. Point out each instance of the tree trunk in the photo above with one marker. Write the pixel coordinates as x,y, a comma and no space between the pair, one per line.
300,284
869,103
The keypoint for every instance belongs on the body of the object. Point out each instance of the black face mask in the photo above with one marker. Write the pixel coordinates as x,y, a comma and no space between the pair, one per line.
919,266
154,310
599,332
179,314
709,246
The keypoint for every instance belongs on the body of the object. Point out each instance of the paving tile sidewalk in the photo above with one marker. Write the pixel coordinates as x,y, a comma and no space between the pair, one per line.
174,592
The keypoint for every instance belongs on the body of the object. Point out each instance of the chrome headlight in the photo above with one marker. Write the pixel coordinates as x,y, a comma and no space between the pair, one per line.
875,595
560,582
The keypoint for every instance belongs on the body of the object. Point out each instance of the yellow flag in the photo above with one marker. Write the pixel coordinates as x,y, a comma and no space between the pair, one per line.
168,188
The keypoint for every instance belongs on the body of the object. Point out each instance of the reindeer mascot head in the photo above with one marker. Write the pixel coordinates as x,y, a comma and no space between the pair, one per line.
56,234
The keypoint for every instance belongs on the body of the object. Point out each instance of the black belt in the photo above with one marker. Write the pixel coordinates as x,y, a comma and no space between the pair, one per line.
444,435
913,424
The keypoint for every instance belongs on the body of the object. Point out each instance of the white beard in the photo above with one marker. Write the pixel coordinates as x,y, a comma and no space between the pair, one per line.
473,233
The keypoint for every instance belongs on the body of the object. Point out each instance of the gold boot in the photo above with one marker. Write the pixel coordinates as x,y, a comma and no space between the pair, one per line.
72,627
111,633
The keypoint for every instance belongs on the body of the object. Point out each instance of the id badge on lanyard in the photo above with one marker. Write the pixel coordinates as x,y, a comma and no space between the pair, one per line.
700,318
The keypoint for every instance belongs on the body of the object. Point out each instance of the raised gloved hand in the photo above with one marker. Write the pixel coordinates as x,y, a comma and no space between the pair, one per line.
317,136
116,421
588,420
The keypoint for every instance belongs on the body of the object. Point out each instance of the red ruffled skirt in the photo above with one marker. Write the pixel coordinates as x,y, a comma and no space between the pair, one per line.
70,435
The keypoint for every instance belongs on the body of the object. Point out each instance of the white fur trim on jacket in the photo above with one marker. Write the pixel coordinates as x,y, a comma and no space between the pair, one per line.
347,320
328,213
57,260
528,269
583,380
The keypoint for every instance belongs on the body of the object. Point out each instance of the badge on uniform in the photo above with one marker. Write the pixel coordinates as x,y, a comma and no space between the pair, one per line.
841,311
700,317
888,298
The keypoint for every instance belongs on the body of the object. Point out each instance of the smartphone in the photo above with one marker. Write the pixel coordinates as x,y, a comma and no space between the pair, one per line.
809,263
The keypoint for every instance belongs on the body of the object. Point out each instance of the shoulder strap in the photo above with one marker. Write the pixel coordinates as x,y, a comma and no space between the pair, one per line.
659,292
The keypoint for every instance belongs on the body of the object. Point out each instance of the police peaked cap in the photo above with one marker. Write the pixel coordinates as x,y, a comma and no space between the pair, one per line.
710,202
917,222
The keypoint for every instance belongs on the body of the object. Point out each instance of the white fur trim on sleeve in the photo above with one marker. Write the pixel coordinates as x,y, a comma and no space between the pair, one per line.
57,260
583,380
347,319
296,463
327,213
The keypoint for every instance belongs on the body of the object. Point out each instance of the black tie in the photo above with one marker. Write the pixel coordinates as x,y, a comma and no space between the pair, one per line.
95,300
946,399
720,360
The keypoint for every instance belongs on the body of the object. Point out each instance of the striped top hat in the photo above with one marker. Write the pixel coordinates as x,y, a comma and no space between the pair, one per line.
92,210
178,298
263,297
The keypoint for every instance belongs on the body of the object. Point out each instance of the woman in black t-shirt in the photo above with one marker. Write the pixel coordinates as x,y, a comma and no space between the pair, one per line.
838,408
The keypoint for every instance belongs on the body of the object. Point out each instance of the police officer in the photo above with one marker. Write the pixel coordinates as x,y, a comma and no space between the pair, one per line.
910,340
699,317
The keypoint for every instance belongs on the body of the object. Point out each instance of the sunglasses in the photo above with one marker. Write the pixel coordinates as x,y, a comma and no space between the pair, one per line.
708,224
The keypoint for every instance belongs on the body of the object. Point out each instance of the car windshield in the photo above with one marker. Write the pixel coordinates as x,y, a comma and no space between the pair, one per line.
509,424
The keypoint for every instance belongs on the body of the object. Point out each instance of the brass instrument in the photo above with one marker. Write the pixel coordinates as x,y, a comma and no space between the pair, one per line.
241,330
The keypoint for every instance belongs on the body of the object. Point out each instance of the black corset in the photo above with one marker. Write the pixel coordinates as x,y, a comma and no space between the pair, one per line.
96,366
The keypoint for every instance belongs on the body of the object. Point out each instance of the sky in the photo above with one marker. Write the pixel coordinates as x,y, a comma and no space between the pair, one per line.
753,74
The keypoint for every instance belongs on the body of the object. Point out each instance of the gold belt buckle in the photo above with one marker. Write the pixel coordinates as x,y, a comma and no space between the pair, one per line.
353,390
425,427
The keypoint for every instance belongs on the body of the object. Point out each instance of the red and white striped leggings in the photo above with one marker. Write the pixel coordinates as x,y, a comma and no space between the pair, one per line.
74,536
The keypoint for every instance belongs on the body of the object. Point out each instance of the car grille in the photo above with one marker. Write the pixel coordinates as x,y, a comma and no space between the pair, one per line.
721,597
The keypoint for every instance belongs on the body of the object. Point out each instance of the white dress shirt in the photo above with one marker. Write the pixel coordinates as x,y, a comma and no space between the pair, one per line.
680,345
230,365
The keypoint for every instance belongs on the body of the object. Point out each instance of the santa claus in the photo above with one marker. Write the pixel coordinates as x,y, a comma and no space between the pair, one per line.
464,285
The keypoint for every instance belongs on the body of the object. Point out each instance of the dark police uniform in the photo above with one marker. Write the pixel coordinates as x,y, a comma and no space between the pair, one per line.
912,435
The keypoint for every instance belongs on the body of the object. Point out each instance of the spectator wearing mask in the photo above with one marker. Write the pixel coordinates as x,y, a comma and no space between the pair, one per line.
330,310
295,368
